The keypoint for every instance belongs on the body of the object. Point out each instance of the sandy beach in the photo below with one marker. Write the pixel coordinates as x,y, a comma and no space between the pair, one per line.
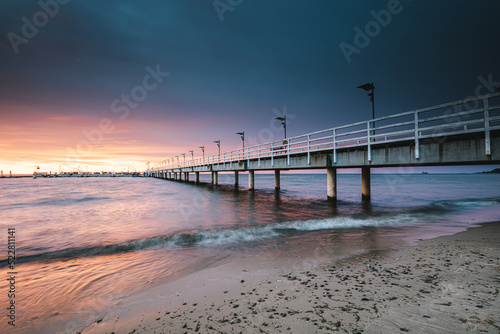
444,285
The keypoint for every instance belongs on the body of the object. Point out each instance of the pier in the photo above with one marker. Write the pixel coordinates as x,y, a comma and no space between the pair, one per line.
465,132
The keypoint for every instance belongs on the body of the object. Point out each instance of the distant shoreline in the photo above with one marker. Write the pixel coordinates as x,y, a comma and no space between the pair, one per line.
61,177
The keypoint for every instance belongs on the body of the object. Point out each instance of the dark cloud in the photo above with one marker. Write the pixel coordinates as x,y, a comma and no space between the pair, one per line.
264,54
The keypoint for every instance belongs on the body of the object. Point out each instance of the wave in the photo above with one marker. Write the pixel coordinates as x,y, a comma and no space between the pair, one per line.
255,233
222,236
57,201
467,203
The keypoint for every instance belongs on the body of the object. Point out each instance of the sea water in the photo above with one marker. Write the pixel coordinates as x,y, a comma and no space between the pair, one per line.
84,244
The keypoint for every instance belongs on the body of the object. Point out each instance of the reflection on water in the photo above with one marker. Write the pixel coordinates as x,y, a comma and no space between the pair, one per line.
85,244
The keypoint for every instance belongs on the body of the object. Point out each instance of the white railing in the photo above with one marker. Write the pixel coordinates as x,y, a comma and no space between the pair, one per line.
466,116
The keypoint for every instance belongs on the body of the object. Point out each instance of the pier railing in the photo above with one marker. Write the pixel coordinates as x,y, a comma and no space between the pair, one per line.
471,115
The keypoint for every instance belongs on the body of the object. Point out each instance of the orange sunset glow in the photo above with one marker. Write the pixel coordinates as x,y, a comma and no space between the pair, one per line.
68,143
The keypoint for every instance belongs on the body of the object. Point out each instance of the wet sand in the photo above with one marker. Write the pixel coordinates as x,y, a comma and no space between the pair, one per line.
445,285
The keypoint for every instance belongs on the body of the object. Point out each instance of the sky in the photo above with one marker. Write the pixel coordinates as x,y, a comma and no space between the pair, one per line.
110,85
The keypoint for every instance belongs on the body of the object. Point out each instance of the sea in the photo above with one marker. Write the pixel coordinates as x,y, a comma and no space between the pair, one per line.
84,245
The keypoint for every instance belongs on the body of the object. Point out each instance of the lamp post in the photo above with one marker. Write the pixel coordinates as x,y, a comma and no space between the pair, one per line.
218,144
283,122
370,87
242,134
184,155
192,154
203,151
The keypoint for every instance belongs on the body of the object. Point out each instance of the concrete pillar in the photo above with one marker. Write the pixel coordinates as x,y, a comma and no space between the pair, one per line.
365,183
277,179
215,178
251,183
236,178
186,177
196,177
175,176
331,183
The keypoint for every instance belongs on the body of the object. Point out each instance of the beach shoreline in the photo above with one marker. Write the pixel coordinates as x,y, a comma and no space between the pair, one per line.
443,285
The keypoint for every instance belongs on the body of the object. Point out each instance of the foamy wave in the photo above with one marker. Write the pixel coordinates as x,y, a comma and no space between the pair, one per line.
350,222
235,235
467,203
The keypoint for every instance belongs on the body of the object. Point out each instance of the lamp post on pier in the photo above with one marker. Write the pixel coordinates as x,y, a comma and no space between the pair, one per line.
218,144
242,134
283,122
203,152
370,87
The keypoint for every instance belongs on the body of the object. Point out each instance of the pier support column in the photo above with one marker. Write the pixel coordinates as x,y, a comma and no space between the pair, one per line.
331,183
186,177
236,179
175,176
365,183
196,177
215,178
251,177
277,179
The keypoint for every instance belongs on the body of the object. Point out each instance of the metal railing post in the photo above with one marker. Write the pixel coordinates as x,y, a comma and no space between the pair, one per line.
288,151
334,146
417,141
487,138
272,154
259,156
369,139
308,149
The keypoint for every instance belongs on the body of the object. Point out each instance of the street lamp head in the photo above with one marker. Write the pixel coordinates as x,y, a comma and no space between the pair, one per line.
367,86
280,118
240,133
